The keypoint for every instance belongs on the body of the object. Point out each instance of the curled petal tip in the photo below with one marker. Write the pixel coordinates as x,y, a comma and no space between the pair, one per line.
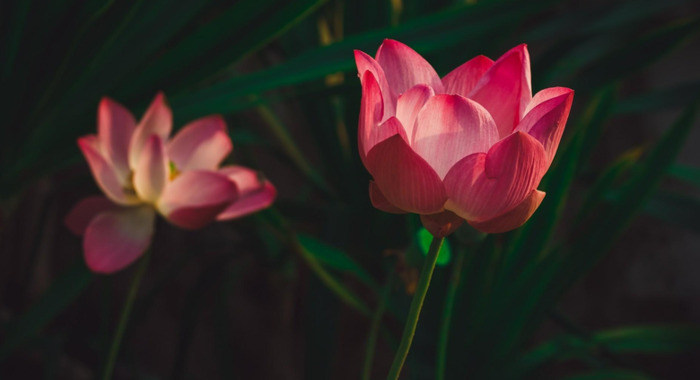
514,218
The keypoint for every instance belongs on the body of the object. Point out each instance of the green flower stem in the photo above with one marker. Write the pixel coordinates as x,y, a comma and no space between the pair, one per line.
124,318
447,315
376,324
416,306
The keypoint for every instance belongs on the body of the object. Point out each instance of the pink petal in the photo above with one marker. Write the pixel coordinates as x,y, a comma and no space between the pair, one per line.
388,129
546,117
151,172
441,224
380,202
201,144
114,239
365,64
505,89
451,127
196,197
483,186
462,80
410,103
255,193
158,120
84,211
371,110
104,173
115,125
404,68
514,218
406,180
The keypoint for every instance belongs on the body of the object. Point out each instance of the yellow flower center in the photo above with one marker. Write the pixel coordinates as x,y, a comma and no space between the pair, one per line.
173,171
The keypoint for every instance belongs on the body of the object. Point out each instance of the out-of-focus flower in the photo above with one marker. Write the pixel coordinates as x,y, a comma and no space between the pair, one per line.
142,171
471,146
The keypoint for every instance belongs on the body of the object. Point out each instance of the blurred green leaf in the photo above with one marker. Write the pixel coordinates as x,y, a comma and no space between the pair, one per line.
632,56
62,292
658,339
424,238
680,95
312,260
426,34
633,193
336,259
651,339
687,173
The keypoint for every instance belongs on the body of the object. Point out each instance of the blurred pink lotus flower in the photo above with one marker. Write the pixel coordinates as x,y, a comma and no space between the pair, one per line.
471,146
142,171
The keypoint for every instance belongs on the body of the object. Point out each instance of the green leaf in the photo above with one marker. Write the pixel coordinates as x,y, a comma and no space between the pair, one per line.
634,192
652,339
679,95
658,339
634,55
426,34
336,259
424,238
63,291
686,173
313,259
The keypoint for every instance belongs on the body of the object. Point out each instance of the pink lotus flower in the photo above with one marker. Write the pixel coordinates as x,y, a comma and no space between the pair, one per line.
142,171
471,146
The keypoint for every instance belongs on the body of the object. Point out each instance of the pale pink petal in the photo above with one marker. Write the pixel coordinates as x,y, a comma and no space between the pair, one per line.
404,68
365,64
514,218
115,125
451,127
371,110
201,144
196,197
104,173
505,89
546,117
483,186
84,211
406,179
255,193
462,80
380,202
158,120
410,103
114,239
442,223
151,172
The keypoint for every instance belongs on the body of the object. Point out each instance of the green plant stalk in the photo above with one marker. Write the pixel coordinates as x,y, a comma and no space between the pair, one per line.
124,318
376,324
416,305
447,315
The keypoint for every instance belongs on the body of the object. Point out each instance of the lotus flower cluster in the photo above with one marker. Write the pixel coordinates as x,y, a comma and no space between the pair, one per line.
471,146
141,171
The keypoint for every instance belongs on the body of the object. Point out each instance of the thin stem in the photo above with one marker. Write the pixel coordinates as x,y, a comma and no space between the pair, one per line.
447,314
124,318
416,306
376,324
